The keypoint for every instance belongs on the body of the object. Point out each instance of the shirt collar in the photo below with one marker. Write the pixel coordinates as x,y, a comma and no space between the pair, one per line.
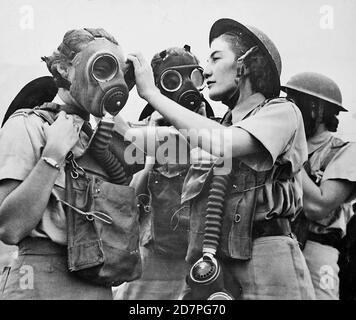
241,110
318,140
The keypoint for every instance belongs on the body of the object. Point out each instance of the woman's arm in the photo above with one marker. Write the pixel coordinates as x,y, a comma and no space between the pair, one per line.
200,131
319,202
22,204
149,138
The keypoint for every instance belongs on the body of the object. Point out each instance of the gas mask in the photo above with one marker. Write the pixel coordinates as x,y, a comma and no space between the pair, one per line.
99,85
181,79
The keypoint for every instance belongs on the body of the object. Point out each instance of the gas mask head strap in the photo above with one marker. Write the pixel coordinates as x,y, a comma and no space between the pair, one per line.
68,52
96,33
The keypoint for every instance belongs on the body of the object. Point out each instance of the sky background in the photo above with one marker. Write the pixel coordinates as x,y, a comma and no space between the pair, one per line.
314,35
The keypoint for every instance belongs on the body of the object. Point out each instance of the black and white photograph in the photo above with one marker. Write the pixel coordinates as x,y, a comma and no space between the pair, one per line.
177,150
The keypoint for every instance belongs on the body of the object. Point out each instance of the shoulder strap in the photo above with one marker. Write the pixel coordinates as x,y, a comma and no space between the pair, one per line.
47,112
227,118
335,148
262,104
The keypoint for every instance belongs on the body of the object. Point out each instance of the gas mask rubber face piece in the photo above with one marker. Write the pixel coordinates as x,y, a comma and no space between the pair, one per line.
99,85
181,79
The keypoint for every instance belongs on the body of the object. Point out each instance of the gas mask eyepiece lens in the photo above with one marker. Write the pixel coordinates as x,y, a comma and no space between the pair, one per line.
197,78
104,68
171,80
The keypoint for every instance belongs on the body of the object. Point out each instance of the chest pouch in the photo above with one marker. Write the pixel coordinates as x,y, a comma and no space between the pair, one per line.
102,228
170,219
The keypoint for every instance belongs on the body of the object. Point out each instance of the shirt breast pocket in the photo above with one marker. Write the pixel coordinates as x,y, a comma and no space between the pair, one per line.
169,218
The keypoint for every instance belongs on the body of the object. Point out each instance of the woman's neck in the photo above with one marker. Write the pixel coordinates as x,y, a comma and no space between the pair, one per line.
321,128
245,91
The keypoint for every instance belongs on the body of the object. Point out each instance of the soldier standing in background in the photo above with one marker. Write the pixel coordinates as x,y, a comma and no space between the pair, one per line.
329,178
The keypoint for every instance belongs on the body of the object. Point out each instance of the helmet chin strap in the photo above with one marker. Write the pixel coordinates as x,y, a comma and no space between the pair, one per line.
234,97
241,73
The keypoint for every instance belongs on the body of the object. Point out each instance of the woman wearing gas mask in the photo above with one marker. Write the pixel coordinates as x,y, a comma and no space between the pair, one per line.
329,178
165,222
57,201
240,238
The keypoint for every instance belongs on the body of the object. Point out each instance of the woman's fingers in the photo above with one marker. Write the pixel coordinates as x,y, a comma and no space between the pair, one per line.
202,109
136,63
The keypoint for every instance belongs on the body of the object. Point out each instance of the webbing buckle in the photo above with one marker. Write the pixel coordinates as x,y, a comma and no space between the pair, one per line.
76,170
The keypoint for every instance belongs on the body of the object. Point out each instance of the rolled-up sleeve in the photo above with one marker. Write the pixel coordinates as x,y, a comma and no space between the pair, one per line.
19,146
342,167
275,127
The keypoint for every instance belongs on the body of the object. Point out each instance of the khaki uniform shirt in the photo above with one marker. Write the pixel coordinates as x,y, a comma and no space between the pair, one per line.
278,126
341,166
22,140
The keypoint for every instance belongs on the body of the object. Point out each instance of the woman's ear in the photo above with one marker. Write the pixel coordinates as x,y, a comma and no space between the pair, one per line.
241,71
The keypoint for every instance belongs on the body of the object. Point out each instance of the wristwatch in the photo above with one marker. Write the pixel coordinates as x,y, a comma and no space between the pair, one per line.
53,163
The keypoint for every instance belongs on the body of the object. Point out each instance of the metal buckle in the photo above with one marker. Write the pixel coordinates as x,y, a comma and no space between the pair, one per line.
144,204
76,170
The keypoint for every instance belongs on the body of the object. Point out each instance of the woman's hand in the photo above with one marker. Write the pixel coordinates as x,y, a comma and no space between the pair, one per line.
61,137
145,83
156,119
202,109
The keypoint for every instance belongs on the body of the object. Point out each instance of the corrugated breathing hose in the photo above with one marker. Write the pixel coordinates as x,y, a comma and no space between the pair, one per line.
99,148
206,278
214,213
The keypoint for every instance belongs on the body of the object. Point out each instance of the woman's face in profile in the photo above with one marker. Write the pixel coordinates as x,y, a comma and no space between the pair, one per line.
221,70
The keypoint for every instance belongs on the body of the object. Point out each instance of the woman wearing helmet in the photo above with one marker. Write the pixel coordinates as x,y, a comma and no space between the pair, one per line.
328,178
263,137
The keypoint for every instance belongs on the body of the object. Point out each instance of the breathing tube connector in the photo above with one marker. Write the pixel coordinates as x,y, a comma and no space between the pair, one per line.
206,277
99,149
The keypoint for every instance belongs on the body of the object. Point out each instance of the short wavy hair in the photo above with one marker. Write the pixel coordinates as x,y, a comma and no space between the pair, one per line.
261,72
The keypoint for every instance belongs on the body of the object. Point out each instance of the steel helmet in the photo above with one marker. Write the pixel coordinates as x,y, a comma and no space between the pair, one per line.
317,85
262,40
